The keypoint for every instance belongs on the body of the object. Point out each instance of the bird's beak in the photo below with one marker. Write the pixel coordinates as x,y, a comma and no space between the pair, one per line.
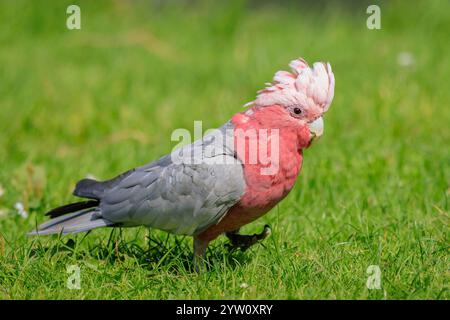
316,128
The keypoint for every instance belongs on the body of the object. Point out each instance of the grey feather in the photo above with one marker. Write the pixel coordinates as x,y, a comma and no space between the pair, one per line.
184,192
72,223
181,197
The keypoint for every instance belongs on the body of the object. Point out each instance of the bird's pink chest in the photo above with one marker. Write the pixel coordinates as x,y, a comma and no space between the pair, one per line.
268,179
264,187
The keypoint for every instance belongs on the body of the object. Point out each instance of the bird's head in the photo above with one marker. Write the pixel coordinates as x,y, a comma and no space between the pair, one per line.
298,98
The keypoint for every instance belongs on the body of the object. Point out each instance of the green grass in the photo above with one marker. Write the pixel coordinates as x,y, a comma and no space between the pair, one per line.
100,100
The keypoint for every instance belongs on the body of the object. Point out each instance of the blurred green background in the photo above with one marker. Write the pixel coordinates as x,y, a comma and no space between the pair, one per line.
106,98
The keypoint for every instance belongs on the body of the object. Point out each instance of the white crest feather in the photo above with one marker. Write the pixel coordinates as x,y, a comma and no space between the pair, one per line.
303,86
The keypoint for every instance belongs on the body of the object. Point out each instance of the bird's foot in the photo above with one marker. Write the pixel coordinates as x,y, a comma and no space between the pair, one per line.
199,254
243,242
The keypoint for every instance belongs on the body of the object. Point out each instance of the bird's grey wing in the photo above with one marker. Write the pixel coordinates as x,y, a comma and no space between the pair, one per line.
182,193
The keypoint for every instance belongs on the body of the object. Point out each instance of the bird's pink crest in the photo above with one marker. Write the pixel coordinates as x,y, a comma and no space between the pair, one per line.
304,86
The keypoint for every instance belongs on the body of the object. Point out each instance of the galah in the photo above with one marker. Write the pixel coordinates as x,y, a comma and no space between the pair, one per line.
221,182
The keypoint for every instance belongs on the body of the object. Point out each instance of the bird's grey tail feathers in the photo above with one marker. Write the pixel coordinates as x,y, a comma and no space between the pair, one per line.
72,207
80,216
74,222
92,189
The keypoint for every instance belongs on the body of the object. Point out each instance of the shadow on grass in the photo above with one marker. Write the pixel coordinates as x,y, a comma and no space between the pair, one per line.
159,252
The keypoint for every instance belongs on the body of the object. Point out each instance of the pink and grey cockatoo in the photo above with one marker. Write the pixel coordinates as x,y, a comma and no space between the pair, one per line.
219,183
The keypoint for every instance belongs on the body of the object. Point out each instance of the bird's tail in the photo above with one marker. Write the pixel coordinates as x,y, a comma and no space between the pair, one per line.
73,218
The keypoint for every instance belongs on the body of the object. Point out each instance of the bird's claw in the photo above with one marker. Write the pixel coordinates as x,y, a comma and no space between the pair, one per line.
243,242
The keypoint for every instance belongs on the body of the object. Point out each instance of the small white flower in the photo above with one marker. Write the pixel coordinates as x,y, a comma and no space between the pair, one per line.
21,210
405,59
244,285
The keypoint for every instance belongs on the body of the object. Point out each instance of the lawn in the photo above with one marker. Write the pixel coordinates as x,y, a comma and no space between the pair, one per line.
98,101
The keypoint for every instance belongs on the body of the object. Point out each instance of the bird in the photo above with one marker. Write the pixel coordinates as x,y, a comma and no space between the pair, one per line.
220,182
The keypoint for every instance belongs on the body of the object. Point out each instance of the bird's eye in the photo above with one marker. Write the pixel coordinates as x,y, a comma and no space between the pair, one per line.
297,110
